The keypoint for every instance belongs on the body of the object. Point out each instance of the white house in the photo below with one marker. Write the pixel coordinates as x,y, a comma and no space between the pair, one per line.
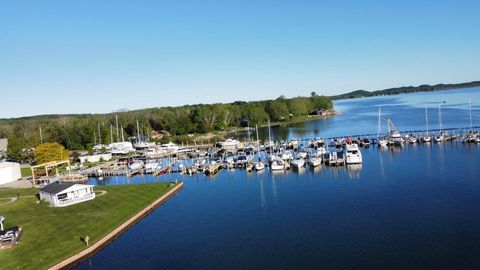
61,194
9,172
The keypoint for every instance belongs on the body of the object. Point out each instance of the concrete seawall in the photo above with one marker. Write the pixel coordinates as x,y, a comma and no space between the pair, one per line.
90,251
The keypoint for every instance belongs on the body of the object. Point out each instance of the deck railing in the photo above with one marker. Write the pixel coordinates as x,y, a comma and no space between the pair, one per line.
76,200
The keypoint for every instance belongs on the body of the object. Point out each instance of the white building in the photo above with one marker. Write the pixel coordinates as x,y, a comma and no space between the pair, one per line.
3,146
9,172
60,194
95,158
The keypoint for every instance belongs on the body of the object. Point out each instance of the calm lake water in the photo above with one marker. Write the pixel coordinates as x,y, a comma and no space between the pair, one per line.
416,207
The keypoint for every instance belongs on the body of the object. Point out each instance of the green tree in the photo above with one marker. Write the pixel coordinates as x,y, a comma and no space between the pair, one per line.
48,152
300,106
14,149
277,110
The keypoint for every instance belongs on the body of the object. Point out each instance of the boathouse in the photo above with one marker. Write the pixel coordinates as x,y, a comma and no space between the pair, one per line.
60,194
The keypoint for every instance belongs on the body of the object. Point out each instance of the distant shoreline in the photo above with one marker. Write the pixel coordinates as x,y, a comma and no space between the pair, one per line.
406,90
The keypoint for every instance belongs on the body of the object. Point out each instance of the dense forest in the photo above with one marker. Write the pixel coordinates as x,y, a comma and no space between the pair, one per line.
406,89
80,132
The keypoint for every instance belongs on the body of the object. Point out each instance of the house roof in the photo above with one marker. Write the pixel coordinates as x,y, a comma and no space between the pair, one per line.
56,187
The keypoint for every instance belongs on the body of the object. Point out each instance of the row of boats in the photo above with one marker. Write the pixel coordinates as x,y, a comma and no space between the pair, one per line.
395,138
279,159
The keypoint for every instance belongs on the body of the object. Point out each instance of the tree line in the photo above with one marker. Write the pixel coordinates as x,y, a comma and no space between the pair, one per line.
80,132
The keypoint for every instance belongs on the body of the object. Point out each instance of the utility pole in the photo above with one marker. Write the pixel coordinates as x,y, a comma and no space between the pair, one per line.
41,136
111,133
99,135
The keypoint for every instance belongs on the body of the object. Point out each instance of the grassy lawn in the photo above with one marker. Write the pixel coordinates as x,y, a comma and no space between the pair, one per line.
26,172
53,234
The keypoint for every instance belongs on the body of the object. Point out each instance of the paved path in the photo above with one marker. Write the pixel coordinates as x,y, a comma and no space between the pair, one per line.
13,199
102,192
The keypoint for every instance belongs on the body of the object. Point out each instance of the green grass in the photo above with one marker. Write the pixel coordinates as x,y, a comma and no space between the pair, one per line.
26,172
53,234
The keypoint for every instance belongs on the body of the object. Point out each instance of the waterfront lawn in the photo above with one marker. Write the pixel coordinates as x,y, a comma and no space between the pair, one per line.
53,234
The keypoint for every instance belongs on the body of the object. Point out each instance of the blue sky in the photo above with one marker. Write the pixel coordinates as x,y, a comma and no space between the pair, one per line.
104,56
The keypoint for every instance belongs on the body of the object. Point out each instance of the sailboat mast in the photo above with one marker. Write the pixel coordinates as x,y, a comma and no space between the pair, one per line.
138,133
440,116
111,133
470,112
426,118
99,135
121,129
269,133
116,123
258,142
378,128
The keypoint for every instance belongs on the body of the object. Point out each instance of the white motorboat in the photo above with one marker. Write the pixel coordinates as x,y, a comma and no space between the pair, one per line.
382,142
259,166
440,138
229,143
277,165
353,154
396,137
144,145
294,143
120,148
412,139
136,165
170,147
298,162
287,155
302,154
426,139
151,166
321,150
314,161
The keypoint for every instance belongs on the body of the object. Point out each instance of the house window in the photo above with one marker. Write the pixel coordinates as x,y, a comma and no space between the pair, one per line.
62,196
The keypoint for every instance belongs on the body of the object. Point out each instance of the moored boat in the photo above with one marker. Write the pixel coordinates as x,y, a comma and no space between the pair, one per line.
353,154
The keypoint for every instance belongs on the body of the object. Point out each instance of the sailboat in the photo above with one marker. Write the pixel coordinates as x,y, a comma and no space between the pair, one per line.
442,136
381,141
426,138
394,135
139,144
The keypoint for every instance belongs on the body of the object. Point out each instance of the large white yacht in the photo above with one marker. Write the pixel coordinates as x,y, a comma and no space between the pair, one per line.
353,154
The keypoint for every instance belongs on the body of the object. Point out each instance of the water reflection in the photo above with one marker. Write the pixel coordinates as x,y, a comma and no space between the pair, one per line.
263,201
354,170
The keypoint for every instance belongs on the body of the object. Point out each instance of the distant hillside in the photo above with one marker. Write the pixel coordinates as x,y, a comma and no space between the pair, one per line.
406,89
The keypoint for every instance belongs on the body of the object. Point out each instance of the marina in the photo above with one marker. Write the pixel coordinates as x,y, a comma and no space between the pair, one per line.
402,205
207,135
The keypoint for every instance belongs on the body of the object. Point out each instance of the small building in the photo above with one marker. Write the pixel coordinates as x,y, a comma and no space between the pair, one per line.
3,146
95,158
60,194
9,172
